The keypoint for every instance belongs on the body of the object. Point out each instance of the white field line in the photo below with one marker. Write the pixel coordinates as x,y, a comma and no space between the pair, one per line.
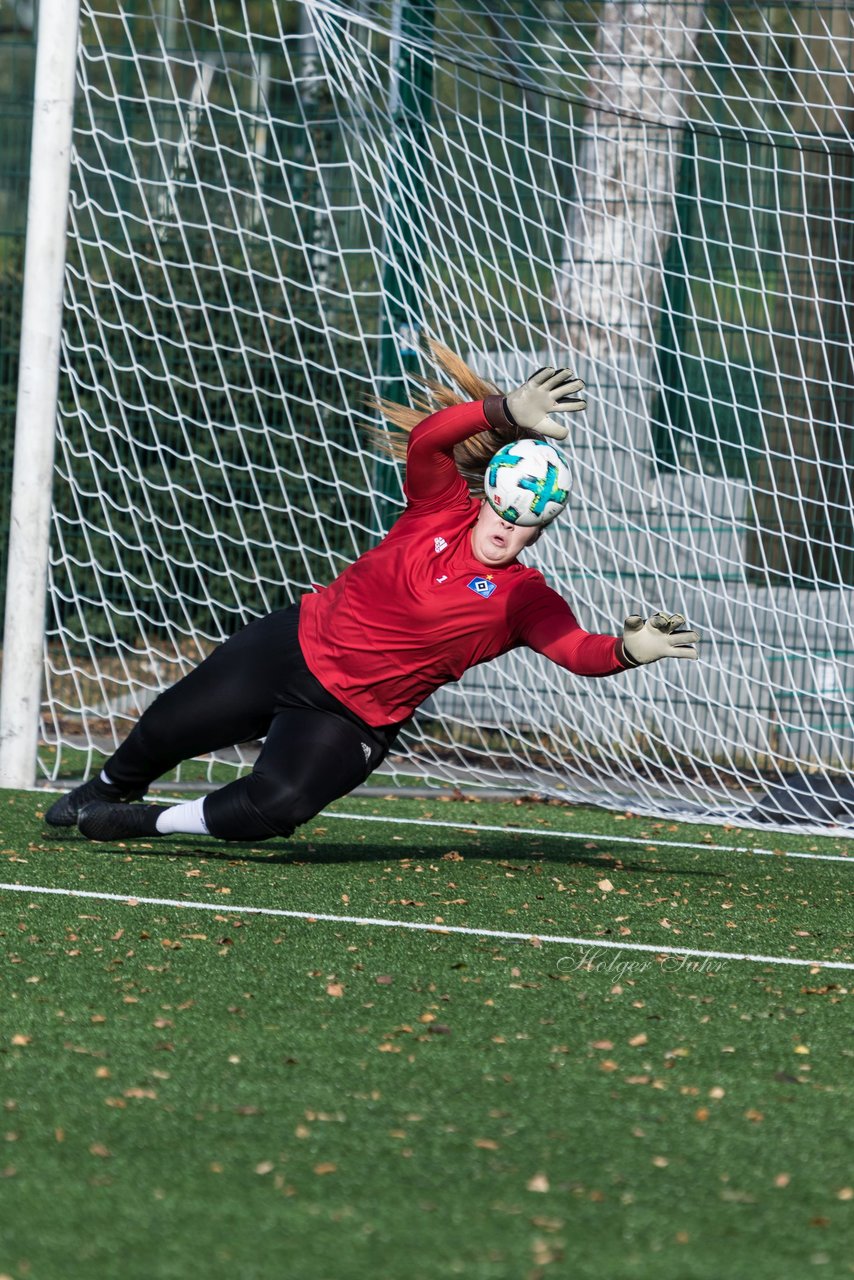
596,944
475,828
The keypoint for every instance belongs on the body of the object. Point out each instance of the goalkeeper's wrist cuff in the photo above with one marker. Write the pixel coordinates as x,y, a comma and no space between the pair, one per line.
623,656
498,415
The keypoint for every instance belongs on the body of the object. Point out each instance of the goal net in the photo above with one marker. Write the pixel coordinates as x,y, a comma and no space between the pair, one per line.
273,205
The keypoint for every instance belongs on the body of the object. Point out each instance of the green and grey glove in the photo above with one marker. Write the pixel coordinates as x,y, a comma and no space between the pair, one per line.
547,391
661,636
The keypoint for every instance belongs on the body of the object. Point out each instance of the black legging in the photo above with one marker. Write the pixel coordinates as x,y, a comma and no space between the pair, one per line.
256,685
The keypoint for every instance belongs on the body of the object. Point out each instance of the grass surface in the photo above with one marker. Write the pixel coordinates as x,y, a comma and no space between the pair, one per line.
218,1093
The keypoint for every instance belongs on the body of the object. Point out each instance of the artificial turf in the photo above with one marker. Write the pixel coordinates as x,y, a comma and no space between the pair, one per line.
217,1092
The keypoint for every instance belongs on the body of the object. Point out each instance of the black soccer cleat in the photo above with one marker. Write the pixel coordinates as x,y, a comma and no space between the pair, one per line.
64,811
99,821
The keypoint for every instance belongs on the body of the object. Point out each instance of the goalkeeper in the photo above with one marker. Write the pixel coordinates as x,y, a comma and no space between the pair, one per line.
328,683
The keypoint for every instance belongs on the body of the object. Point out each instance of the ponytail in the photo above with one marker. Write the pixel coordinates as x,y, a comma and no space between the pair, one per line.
472,455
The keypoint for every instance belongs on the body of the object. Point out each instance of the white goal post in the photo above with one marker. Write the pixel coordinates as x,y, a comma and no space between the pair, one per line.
268,207
35,426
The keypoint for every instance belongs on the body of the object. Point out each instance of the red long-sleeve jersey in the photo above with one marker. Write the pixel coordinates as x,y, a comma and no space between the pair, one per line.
416,611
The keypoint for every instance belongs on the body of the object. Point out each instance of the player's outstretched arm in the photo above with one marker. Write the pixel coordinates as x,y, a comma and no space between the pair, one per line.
664,635
547,391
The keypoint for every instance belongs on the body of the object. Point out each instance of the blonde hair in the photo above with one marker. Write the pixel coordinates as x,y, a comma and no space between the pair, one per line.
472,455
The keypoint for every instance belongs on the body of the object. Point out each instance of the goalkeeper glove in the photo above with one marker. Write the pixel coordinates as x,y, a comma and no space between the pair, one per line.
548,391
661,636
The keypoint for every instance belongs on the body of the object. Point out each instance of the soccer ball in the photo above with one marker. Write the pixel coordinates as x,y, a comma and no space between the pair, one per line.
527,482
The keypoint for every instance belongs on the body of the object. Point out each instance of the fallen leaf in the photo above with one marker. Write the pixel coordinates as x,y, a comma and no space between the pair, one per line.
539,1182
544,1253
334,989
325,1167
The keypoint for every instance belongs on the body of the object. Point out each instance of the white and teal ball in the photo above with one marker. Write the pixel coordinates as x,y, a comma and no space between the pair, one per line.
528,482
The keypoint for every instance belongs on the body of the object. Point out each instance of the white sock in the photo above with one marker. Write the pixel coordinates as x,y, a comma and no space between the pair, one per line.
183,819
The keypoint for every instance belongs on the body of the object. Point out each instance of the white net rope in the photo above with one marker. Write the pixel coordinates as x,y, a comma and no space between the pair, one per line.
271,203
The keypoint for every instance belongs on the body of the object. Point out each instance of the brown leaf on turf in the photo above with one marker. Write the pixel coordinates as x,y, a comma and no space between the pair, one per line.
604,885
545,1253
438,1029
98,1149
452,856
334,989
384,980
486,1144
264,1167
640,1039
22,1040
539,1182
325,1167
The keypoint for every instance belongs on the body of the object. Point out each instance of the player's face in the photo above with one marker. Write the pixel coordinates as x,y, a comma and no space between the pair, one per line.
495,542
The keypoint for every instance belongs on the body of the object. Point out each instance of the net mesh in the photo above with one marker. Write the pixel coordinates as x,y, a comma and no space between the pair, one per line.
271,204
